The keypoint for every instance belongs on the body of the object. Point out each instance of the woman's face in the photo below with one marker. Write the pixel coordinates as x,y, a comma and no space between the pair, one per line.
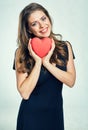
39,24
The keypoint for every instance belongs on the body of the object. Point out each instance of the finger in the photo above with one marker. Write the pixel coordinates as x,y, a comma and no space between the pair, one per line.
53,47
53,43
29,47
29,40
52,40
31,50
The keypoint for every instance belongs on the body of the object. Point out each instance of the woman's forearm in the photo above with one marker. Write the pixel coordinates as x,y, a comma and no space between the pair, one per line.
29,83
66,77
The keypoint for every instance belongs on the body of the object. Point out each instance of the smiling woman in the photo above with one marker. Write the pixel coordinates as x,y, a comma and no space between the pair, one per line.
39,24
40,79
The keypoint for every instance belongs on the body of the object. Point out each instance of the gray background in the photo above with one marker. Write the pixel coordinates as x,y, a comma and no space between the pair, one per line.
70,19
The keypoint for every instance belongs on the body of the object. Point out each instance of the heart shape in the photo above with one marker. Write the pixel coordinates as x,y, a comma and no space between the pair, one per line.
41,46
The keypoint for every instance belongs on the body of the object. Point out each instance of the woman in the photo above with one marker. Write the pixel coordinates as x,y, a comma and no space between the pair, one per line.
40,80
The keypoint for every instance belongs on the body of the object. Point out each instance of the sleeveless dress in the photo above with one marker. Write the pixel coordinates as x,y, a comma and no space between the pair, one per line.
44,108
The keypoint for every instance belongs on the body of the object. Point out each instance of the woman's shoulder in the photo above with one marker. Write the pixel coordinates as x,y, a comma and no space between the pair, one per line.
17,52
16,57
69,46
66,44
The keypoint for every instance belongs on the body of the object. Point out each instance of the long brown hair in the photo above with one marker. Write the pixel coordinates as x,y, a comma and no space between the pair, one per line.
59,56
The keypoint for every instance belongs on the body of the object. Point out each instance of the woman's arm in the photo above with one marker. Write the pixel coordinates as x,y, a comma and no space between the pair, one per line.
67,77
26,83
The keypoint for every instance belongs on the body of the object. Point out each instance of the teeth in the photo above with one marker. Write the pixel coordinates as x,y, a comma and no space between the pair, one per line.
44,30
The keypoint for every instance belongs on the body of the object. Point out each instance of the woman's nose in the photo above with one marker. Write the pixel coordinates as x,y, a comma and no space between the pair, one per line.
41,24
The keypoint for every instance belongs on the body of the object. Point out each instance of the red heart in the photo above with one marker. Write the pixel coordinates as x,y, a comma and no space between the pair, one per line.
41,46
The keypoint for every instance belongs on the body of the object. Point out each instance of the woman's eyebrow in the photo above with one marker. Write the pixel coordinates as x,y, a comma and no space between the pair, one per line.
37,20
42,16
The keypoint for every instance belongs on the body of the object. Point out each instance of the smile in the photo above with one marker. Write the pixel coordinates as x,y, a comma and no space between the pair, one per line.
44,30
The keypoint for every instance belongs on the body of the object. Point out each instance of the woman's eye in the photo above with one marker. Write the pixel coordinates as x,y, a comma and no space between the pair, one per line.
43,18
33,24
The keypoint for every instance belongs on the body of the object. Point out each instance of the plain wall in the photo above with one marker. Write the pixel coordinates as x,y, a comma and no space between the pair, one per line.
70,19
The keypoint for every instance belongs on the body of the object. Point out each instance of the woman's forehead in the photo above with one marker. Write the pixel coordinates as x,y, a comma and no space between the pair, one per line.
36,15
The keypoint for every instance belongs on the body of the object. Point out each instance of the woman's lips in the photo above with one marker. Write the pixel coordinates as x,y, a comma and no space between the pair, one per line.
44,30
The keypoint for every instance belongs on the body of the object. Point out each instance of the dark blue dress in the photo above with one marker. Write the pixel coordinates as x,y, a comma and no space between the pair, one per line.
44,108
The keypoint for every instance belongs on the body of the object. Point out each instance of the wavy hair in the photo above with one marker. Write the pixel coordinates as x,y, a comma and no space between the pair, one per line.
59,56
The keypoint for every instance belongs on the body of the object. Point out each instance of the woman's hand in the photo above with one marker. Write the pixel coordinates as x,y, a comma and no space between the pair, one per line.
46,59
32,53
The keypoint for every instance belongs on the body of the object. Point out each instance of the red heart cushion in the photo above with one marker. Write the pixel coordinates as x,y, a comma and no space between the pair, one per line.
41,46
